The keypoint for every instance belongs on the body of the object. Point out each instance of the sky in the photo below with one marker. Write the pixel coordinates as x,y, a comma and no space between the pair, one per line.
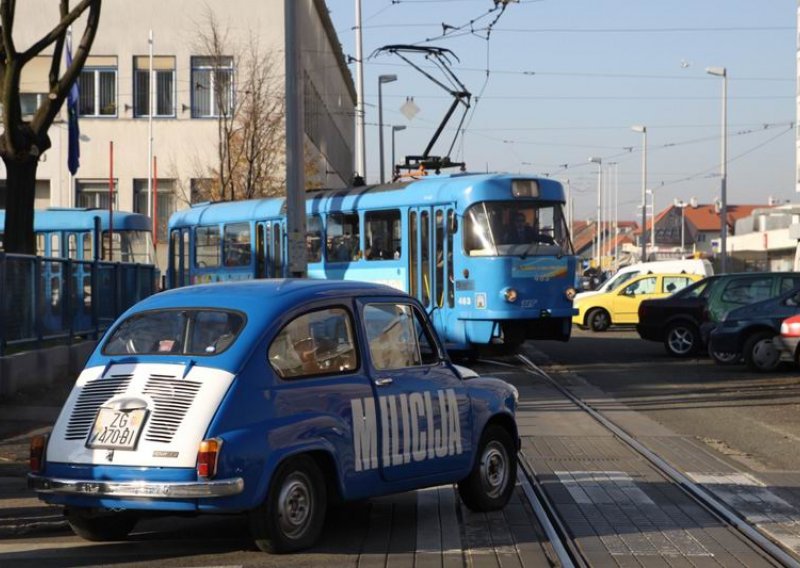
567,79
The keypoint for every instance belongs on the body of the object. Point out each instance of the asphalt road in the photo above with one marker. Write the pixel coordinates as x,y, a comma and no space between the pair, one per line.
753,418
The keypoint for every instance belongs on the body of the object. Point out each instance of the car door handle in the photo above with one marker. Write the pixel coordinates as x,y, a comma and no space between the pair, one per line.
383,382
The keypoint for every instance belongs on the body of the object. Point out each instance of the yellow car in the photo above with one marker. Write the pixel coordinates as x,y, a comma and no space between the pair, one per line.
621,305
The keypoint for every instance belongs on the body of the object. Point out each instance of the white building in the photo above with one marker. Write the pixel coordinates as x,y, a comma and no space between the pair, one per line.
114,103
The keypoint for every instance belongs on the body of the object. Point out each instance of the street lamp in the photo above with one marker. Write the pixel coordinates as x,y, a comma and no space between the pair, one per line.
682,205
381,80
396,128
722,72
643,130
599,162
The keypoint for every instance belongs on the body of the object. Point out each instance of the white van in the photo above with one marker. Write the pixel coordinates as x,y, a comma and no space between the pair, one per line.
687,266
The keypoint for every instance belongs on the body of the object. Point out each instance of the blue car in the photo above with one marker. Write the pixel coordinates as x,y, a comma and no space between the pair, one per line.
271,398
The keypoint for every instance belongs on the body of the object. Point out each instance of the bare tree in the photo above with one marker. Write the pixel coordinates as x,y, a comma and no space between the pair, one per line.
22,142
250,119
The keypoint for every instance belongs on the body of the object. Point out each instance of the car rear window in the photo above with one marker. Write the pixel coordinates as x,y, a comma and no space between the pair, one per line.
176,332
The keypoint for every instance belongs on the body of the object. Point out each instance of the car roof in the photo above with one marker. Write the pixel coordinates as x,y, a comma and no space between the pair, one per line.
264,298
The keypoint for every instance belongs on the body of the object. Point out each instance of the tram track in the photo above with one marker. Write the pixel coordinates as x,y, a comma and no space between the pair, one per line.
566,551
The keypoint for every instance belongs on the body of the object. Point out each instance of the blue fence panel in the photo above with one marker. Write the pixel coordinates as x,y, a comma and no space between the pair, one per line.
47,298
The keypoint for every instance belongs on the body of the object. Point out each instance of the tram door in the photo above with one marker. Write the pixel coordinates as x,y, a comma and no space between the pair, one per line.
421,267
269,249
431,260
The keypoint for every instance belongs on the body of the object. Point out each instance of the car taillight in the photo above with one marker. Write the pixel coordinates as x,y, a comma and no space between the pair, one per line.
791,329
38,445
207,456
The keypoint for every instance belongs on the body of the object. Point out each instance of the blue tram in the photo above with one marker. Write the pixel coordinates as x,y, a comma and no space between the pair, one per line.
84,236
488,255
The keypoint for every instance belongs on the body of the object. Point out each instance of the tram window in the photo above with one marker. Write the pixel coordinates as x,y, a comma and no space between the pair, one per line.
185,255
344,234
72,246
175,246
277,250
206,246
314,238
39,243
383,235
236,244
439,243
88,246
425,230
412,253
452,227
55,245
261,257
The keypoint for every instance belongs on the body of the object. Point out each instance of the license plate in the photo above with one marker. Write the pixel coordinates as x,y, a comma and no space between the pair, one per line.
117,429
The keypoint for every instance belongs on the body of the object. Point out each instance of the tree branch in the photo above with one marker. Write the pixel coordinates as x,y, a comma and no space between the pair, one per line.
60,29
48,111
55,63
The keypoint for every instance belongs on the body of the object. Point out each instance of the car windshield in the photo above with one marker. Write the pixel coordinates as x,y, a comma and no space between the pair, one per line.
696,290
516,228
618,279
175,332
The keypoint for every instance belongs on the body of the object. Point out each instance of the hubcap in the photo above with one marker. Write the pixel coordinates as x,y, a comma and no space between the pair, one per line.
600,320
494,469
765,356
725,357
681,340
295,504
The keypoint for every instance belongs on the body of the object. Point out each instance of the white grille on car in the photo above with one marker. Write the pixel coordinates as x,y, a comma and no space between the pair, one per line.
92,397
172,399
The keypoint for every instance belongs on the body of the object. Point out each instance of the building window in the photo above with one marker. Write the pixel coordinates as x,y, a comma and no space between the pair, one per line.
164,204
29,103
212,86
98,91
164,76
93,194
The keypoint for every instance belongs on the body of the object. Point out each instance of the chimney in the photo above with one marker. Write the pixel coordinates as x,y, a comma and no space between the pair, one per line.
693,202
717,205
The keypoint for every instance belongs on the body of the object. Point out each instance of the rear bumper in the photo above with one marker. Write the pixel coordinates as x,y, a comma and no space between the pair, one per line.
650,332
724,342
140,489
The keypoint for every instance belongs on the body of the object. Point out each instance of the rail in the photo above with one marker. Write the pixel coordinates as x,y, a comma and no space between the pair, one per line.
43,299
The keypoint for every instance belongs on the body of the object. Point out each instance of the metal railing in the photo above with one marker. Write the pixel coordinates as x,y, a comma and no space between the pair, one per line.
44,299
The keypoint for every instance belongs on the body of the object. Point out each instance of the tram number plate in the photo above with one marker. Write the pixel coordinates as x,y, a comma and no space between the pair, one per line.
117,429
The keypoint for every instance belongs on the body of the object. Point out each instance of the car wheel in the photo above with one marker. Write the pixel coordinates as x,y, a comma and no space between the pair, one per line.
724,357
489,485
681,339
293,512
760,353
598,319
99,526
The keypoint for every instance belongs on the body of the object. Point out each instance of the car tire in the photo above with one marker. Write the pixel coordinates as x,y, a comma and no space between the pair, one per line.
681,339
489,485
724,357
293,512
598,319
760,353
100,526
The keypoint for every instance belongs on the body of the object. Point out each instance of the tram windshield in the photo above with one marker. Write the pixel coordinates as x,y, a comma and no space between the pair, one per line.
129,246
515,228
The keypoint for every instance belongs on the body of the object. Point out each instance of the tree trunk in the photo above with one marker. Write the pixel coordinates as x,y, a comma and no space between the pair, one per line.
20,194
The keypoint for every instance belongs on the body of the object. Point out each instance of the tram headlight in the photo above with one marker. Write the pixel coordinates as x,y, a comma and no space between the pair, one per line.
570,294
510,295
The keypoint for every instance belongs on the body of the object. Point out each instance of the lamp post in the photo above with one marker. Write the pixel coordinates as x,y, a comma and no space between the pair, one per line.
381,80
643,130
723,72
599,253
396,128
682,204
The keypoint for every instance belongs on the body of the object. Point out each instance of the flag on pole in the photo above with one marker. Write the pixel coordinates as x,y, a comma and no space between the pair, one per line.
73,149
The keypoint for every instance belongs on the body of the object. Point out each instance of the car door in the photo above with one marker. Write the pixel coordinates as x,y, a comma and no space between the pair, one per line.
423,406
626,302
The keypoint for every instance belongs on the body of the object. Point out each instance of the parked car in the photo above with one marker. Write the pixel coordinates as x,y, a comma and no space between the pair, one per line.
789,339
273,398
752,329
621,305
737,290
680,266
676,319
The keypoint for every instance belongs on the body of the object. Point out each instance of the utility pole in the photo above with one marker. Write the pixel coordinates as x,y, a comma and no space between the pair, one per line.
361,154
295,174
